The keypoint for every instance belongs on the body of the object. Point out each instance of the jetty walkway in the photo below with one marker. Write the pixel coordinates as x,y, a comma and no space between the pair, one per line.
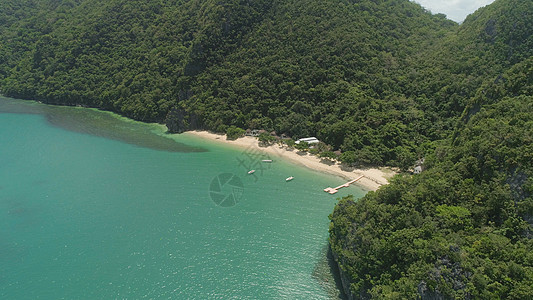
347,184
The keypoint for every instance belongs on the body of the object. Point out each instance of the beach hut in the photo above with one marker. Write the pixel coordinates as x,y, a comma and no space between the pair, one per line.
417,170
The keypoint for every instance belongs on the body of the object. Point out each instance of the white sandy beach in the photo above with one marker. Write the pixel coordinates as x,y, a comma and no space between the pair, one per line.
372,180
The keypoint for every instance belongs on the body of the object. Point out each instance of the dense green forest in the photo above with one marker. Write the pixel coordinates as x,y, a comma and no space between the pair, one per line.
344,71
380,78
384,81
459,229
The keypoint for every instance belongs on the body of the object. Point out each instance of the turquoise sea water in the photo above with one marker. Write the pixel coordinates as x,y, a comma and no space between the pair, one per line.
93,206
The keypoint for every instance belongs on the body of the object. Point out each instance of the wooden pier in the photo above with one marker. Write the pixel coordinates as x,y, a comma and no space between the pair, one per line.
347,184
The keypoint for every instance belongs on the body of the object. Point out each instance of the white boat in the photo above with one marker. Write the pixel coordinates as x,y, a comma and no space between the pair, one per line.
267,160
289,178
251,171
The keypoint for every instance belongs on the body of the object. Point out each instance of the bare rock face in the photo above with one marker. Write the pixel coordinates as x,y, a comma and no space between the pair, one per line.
174,120
345,280
517,181
426,294
446,275
178,120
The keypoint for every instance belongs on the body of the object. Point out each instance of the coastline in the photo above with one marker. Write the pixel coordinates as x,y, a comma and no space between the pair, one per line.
372,180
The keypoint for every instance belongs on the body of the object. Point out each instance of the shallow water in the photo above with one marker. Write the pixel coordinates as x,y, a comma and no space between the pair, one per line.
98,123
93,212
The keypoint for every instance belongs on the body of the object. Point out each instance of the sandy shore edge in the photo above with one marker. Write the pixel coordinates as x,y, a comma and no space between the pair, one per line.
372,180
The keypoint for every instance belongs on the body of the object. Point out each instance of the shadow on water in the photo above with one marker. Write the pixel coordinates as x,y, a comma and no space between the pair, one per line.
328,276
99,123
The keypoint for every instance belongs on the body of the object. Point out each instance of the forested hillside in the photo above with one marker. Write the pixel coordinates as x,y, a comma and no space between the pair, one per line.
462,228
341,70
381,79
137,58
384,81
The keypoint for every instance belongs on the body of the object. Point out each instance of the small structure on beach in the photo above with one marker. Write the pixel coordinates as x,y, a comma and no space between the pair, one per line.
417,170
419,166
309,140
250,132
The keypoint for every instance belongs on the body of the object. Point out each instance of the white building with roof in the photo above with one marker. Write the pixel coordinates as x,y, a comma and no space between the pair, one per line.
309,140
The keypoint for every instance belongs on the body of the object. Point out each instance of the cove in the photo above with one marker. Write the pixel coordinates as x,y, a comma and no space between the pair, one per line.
88,211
